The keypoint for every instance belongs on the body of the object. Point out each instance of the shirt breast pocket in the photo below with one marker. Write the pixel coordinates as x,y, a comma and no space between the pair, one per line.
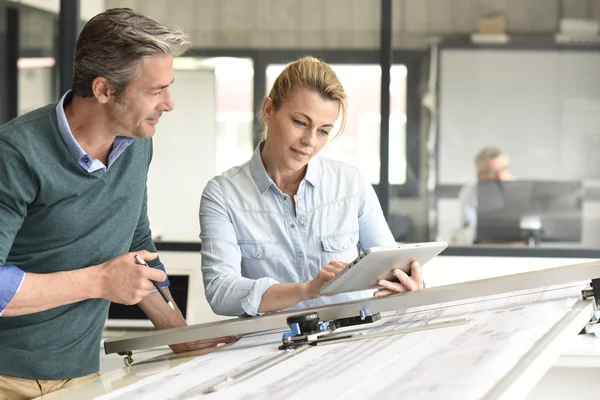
339,248
260,259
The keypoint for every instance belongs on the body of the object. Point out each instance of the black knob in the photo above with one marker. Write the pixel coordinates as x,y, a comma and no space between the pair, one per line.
308,323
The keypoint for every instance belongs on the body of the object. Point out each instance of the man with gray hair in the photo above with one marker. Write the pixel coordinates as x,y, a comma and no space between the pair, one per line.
492,165
73,213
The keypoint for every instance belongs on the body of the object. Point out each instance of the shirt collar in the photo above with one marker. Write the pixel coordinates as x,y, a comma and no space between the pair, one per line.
312,171
74,147
258,171
264,181
83,159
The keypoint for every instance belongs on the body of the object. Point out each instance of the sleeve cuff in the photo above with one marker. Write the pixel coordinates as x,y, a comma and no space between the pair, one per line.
166,282
12,278
251,302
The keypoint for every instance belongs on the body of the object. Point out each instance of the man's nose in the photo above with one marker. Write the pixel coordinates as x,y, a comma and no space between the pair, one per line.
168,104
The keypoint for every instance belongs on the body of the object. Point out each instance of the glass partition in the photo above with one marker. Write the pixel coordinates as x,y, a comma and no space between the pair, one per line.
517,150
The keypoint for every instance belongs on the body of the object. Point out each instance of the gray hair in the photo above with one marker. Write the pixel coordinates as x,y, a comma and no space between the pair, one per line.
487,153
113,44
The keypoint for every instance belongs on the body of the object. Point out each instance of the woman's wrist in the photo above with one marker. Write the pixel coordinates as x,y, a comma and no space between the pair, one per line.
307,292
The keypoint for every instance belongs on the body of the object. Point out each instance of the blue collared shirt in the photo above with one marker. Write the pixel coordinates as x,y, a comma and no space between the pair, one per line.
85,161
252,238
12,277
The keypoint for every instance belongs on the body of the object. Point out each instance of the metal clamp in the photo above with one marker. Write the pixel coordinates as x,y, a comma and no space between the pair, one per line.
588,293
128,360
309,329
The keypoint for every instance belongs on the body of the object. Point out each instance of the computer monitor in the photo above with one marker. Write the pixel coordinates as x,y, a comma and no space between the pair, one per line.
510,211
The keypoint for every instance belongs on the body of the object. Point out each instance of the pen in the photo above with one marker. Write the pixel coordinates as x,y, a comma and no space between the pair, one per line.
164,296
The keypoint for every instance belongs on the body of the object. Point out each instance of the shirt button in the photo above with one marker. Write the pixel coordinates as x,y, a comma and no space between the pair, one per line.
292,225
303,225
284,198
87,160
259,255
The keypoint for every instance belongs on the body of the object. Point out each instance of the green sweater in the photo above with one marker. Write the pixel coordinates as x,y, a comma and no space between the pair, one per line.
55,216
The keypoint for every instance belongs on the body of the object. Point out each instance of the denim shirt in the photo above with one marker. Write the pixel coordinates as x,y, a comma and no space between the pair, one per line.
252,238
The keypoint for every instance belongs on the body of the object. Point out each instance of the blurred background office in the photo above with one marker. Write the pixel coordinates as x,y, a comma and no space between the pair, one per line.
476,121
431,83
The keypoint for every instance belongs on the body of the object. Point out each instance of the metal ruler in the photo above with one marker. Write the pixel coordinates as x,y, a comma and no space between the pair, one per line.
426,297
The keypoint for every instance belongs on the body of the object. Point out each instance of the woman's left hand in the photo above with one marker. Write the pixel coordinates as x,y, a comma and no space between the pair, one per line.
405,283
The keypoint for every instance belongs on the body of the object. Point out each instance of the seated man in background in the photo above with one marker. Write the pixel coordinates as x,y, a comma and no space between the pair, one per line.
492,165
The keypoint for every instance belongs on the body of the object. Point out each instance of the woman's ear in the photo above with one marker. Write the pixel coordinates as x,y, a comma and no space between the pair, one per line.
267,109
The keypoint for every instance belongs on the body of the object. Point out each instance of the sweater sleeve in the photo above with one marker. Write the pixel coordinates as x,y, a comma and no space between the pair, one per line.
18,188
142,237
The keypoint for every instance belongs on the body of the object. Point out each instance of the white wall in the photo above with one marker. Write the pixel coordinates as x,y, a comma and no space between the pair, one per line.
542,107
183,159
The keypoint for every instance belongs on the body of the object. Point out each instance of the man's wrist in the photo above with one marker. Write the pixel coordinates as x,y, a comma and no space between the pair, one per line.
95,281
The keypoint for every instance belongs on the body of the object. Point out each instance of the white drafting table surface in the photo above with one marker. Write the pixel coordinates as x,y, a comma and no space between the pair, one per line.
511,342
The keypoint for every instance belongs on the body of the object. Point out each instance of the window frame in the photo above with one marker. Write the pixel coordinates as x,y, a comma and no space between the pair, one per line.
412,59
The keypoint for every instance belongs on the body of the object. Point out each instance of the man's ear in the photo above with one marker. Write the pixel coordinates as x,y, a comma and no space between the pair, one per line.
102,90
267,109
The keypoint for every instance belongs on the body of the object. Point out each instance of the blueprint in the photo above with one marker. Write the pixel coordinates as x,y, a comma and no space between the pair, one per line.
455,362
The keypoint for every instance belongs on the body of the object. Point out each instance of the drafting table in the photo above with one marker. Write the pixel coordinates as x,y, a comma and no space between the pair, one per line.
493,338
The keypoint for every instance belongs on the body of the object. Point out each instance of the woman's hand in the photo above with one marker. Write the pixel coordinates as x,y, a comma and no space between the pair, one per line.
405,283
324,275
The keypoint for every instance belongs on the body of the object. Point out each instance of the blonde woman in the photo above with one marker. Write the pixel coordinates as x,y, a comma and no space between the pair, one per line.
276,228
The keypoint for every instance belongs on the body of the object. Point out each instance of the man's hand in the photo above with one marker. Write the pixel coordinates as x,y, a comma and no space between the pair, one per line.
201,344
405,283
124,281
324,275
163,317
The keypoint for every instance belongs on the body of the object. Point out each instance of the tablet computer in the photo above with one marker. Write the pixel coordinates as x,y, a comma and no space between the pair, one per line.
377,263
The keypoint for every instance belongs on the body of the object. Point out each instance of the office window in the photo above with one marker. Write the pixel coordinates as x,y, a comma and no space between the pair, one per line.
359,143
36,83
369,125
234,108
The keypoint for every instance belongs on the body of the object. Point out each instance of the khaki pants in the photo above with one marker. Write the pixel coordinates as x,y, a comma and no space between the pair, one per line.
12,388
